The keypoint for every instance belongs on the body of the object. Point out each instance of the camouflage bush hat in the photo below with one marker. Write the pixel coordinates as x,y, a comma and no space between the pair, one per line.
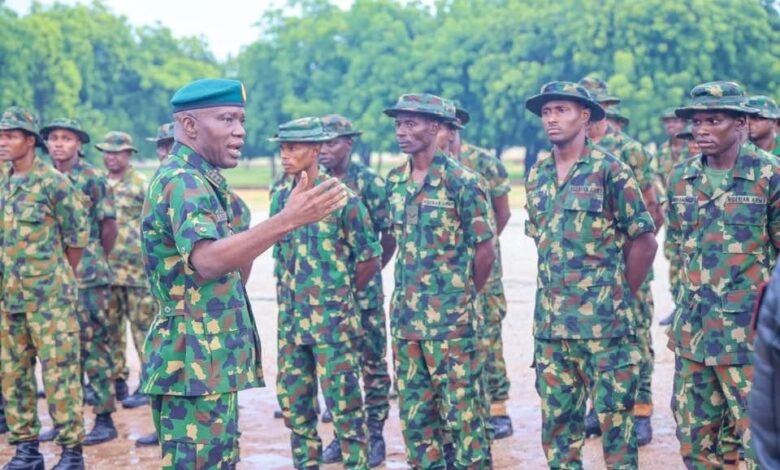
424,103
164,132
18,118
308,129
685,134
766,106
668,113
599,90
716,96
614,113
340,125
462,115
67,124
116,141
209,93
567,91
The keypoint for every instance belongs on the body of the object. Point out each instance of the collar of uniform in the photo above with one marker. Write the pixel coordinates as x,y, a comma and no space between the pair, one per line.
435,172
744,167
195,160
38,169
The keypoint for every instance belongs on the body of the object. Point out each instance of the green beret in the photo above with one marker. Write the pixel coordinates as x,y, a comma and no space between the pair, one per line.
766,106
426,104
116,141
209,93
67,124
340,125
18,118
165,131
308,129
716,96
599,91
566,91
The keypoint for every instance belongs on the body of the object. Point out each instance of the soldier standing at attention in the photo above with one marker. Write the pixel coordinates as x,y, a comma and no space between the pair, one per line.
763,126
163,141
65,138
370,188
595,245
44,230
724,219
441,222
203,346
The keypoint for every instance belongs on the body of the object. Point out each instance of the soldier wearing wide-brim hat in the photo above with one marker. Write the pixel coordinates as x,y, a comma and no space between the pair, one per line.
163,140
18,118
424,104
613,113
724,221
116,141
72,125
599,89
763,125
565,91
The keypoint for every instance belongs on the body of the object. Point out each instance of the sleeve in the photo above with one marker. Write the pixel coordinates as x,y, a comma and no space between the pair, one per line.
773,211
474,210
192,211
70,214
104,203
375,198
627,205
360,234
498,178
242,215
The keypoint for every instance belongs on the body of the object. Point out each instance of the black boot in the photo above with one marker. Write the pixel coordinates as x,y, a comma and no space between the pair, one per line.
502,427
332,453
278,414
121,390
89,395
27,457
592,426
3,423
643,429
72,458
148,440
137,399
327,416
103,431
49,434
376,443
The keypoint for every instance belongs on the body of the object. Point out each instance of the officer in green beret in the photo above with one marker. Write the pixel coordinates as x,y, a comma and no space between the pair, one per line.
65,138
724,220
441,222
763,125
595,242
370,188
203,346
44,231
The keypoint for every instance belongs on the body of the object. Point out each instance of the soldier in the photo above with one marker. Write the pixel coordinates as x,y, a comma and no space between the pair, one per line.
203,347
595,245
370,188
164,140
724,219
441,223
690,141
763,126
65,138
44,231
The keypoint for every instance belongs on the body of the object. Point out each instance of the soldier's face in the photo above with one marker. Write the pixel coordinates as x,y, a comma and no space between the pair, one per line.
456,143
673,126
617,125
334,152
596,130
117,162
164,148
716,132
445,139
415,133
15,144
761,127
563,120
298,156
63,144
693,148
220,134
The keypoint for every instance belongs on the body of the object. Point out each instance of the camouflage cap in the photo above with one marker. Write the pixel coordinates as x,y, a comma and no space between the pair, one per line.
599,90
613,112
307,129
685,134
18,118
462,115
567,91
424,103
116,141
67,124
766,106
164,132
716,96
340,125
668,113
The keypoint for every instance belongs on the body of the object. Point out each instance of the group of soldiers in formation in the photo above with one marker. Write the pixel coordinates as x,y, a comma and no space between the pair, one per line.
83,251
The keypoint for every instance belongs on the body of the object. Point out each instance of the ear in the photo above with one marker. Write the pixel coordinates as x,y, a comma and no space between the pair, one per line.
586,113
189,125
742,122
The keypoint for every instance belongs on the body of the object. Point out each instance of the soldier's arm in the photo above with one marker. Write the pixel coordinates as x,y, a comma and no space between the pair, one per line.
639,255
108,233
73,256
375,198
72,219
503,213
387,240
499,195
106,213
362,241
484,257
474,213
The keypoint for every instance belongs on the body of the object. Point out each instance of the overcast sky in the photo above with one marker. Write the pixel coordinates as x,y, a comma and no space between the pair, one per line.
226,24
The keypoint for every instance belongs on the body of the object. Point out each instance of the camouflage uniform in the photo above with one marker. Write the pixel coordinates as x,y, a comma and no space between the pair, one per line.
667,159
42,216
727,237
131,299
434,322
203,346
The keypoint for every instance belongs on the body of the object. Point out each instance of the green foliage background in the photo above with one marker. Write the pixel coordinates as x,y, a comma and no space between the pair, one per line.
315,58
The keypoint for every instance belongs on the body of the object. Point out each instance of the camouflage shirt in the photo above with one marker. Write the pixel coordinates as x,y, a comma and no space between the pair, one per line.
667,159
98,201
204,340
727,239
316,264
437,225
633,154
126,259
42,216
370,188
580,227
242,216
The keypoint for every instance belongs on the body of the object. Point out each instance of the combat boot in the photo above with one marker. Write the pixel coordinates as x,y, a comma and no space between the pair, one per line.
592,426
72,458
3,422
278,414
137,399
502,427
121,390
89,395
27,457
332,453
103,431
327,416
148,440
643,429
376,443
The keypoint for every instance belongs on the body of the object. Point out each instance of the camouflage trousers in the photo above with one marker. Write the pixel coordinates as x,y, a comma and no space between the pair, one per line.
493,306
337,366
673,257
52,336
96,360
197,433
376,378
129,304
439,379
644,305
710,405
564,372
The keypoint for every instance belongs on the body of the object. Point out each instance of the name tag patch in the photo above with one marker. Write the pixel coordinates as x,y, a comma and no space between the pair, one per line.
587,190
221,216
745,199
683,199
443,203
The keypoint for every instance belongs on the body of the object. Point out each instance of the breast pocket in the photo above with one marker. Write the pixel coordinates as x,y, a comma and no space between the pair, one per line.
36,234
584,215
744,228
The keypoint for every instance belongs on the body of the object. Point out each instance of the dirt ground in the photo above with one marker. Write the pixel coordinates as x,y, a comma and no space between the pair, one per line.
265,441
